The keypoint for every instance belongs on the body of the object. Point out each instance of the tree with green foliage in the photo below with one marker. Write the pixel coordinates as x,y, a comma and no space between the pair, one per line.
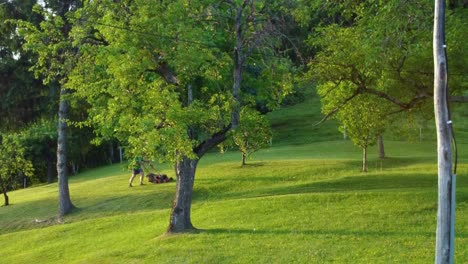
365,121
253,133
40,139
27,104
170,78
52,43
348,56
390,52
348,76
386,56
12,155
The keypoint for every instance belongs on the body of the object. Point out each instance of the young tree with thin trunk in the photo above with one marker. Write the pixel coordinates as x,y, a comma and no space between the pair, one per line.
12,163
253,133
365,121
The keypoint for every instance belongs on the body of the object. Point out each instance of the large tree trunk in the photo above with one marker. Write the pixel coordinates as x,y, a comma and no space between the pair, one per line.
7,200
364,159
65,204
185,169
180,220
381,148
243,159
445,211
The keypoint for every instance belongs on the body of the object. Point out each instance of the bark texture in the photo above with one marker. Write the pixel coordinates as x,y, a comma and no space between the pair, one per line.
444,247
238,64
180,220
381,147
7,200
65,204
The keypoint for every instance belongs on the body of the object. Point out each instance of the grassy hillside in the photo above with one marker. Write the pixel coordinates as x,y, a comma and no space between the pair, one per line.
298,124
303,200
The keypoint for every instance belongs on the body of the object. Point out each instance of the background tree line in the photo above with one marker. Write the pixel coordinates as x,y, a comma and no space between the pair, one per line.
29,107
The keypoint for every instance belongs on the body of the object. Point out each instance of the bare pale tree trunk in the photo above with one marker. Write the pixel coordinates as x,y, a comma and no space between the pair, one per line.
65,204
243,159
445,215
381,147
180,220
364,159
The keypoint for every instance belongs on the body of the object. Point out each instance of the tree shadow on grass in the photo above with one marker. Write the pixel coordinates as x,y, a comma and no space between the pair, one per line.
114,170
43,213
270,186
253,164
338,232
376,164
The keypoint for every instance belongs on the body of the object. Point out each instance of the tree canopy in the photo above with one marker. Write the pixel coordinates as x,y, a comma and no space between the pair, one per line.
14,163
170,78
177,75
385,52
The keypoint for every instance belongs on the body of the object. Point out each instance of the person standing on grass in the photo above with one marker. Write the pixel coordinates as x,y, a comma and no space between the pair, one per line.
137,169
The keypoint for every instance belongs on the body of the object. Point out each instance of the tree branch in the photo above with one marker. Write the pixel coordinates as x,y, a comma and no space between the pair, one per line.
403,106
331,113
215,139
164,71
394,100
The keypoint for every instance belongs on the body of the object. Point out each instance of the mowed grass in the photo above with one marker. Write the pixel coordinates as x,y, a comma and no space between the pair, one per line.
304,200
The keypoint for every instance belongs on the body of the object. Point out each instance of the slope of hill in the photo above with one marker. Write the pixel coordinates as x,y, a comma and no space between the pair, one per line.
303,200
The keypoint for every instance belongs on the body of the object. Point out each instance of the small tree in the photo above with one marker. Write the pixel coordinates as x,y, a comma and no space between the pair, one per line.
252,134
13,162
365,121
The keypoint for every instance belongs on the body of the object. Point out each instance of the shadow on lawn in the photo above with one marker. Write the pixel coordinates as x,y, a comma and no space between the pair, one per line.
43,213
355,183
122,203
377,165
343,232
391,174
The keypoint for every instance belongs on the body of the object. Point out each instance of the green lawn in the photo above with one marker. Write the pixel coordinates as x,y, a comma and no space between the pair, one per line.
304,200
